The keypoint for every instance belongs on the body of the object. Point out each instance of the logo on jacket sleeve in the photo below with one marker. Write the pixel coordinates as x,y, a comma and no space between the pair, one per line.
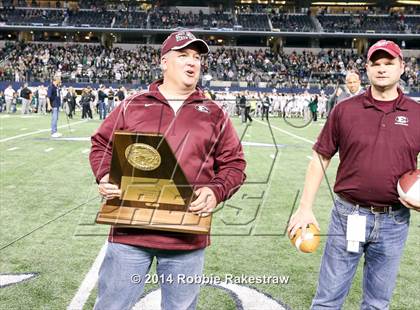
401,120
202,108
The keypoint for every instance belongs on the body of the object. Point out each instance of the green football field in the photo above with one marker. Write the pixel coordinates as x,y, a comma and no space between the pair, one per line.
49,199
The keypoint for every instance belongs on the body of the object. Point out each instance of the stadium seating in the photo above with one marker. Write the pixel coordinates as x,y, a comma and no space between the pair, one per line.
370,23
28,17
95,64
164,19
118,16
87,18
254,22
292,22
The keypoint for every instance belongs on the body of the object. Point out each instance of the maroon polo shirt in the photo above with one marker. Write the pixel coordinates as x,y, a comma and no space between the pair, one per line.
376,146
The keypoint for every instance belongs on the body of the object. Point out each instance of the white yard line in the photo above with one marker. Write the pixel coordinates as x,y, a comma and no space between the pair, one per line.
245,143
336,156
30,116
39,131
287,133
88,283
309,157
49,149
74,138
7,279
85,151
13,148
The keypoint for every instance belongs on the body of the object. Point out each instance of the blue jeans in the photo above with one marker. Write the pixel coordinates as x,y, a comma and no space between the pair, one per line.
386,234
102,110
54,120
119,286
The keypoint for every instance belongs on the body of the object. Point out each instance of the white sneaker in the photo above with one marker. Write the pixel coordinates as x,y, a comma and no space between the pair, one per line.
56,135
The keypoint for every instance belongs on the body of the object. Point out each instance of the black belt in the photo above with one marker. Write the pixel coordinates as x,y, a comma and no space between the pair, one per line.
373,208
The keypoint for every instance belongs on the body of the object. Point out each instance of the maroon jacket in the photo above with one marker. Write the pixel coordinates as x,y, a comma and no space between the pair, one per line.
376,146
205,144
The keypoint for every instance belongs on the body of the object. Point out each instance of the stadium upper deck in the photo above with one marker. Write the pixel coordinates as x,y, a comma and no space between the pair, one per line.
217,21
120,16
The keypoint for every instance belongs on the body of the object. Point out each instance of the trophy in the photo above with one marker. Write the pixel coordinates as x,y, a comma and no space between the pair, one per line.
155,193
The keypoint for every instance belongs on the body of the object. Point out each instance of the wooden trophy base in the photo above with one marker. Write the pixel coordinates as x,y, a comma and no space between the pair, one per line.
153,218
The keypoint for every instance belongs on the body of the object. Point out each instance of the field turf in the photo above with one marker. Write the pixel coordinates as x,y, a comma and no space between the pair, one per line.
49,199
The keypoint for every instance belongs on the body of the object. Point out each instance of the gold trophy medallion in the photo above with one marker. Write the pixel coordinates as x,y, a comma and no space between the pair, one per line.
143,156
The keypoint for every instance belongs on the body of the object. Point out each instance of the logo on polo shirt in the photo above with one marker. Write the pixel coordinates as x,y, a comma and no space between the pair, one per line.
202,108
401,120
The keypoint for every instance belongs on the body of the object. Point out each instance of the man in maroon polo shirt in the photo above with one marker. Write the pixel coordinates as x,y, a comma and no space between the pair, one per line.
209,152
377,135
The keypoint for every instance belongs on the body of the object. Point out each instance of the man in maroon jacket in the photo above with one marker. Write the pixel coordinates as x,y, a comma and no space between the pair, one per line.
210,154
377,134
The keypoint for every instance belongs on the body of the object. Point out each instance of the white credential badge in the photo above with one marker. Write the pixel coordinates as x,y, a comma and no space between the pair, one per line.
356,232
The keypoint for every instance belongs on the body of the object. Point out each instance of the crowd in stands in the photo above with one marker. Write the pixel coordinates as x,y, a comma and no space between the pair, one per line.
394,23
253,22
132,5
166,19
95,64
292,22
79,63
81,4
123,15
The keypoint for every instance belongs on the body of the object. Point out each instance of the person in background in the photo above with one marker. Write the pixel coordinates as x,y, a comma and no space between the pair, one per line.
9,93
2,101
26,95
70,98
86,101
266,103
54,104
352,87
42,99
313,107
101,101
110,103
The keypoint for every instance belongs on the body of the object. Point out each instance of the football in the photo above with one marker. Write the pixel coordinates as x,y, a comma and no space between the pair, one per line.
311,241
409,185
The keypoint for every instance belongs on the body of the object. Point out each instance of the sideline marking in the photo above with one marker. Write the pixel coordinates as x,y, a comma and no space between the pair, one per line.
336,156
9,279
244,143
73,139
287,132
49,149
39,131
88,283
13,148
